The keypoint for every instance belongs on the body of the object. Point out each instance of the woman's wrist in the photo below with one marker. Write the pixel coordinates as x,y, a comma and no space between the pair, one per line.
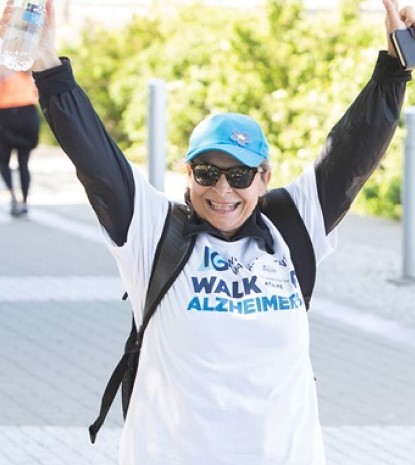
44,62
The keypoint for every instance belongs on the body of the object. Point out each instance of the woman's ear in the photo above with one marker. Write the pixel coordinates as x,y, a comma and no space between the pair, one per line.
266,178
189,173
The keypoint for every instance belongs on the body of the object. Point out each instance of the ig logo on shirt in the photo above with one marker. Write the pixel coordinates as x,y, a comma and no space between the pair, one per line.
212,260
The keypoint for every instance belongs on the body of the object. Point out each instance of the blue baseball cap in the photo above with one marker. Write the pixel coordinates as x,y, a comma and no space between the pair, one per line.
233,133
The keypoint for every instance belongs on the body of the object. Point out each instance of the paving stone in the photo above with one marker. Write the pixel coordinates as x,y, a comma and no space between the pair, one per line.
63,328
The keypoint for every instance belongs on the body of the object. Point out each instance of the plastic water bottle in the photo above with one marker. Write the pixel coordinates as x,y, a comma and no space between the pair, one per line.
21,38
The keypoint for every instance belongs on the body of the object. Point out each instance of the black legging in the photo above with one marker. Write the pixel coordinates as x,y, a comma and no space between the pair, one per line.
6,173
19,130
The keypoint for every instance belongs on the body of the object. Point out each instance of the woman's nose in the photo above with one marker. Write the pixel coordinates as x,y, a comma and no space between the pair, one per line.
222,185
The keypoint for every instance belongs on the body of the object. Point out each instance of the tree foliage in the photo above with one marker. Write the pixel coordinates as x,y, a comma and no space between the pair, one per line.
294,72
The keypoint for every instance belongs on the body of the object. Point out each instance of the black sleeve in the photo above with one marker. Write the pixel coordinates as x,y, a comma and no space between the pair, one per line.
100,165
358,141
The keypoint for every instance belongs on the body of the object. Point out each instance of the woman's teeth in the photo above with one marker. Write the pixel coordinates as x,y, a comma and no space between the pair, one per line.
223,206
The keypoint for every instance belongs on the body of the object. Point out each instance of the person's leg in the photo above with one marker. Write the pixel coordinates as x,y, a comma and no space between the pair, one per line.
23,159
6,174
30,120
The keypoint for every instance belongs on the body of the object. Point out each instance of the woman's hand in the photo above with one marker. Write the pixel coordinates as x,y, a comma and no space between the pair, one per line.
46,56
5,18
397,19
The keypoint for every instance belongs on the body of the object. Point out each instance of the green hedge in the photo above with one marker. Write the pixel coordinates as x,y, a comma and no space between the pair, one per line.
296,73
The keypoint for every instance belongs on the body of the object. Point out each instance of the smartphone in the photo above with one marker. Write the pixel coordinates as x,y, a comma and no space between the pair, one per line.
403,41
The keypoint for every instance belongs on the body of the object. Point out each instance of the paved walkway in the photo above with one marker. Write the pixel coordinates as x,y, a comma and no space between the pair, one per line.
63,326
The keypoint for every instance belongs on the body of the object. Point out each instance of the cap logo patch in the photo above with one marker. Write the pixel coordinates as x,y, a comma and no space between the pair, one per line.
241,138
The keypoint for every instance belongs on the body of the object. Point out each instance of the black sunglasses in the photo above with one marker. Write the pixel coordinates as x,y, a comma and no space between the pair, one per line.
238,177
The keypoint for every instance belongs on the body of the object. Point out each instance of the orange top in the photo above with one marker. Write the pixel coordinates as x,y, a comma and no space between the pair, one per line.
17,89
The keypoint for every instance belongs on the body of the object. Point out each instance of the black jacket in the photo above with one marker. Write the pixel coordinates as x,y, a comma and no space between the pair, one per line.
350,154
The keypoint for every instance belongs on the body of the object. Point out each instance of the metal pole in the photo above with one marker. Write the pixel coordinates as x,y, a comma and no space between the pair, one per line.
408,198
157,132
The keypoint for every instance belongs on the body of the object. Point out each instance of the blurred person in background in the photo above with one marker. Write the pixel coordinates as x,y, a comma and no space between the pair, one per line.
19,131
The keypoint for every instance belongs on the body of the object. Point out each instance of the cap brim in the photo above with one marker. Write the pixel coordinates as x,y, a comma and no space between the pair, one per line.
246,157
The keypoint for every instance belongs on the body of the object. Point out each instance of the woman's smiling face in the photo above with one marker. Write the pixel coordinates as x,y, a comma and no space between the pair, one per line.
224,207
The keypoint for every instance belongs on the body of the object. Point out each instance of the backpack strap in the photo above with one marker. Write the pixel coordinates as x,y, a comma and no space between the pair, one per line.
282,211
172,253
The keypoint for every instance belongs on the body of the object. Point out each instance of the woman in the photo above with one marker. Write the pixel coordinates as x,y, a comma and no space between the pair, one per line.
222,381
19,131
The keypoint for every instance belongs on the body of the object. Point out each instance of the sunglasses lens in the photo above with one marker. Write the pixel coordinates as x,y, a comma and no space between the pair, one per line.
240,177
206,175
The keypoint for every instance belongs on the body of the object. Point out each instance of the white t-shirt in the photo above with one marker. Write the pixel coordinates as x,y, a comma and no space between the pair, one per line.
225,376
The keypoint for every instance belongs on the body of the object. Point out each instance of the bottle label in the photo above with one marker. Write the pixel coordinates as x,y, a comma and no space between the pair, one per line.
33,14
